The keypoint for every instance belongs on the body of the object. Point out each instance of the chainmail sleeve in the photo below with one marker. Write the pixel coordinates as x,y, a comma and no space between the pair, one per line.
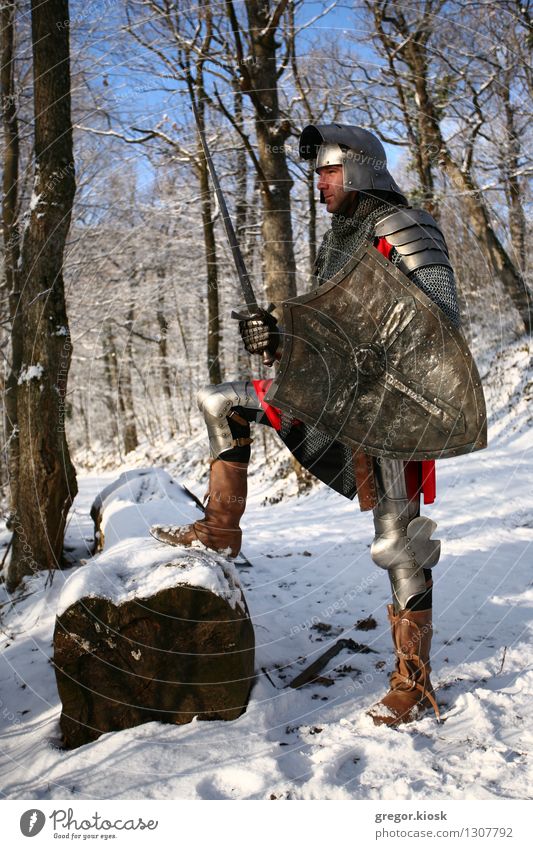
438,283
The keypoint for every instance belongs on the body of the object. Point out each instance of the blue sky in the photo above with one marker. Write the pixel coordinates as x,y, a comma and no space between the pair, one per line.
142,99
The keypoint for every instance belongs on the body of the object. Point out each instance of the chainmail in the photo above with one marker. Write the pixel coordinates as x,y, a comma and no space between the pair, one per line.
349,484
286,424
315,444
348,234
438,283
313,448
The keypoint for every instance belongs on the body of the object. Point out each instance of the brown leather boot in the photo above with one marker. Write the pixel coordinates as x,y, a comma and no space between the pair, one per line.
219,529
411,693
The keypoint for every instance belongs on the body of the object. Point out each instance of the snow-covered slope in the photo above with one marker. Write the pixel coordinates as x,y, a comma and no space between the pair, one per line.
312,580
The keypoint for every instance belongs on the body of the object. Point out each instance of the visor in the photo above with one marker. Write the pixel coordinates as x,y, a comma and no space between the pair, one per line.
329,154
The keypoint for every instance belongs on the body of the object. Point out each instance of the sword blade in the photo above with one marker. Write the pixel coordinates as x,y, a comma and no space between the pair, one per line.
238,259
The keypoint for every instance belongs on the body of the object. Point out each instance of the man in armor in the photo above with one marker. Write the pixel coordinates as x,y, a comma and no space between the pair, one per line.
366,207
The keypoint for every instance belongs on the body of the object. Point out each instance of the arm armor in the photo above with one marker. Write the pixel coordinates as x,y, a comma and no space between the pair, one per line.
420,251
416,237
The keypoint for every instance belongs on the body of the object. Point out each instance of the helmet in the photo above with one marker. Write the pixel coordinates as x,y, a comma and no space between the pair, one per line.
360,152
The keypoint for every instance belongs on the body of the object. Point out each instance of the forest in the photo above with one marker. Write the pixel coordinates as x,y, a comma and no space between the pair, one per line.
117,282
134,338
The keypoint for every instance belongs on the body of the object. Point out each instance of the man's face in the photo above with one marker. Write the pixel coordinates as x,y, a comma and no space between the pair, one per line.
330,183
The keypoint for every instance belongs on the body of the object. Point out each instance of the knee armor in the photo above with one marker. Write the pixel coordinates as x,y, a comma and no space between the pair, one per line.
402,543
215,402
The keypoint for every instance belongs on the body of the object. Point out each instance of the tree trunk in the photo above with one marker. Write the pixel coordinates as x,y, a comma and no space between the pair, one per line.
410,88
513,188
245,218
241,174
46,483
11,241
489,242
11,146
166,380
109,353
213,317
129,427
415,54
427,126
278,252
82,412
187,379
173,651
272,133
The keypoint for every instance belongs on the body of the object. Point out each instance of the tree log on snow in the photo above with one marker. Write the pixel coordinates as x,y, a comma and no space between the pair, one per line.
146,632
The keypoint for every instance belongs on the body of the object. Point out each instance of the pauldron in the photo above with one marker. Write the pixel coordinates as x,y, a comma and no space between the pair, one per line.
416,237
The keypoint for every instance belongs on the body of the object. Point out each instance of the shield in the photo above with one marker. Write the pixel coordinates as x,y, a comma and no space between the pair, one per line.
371,361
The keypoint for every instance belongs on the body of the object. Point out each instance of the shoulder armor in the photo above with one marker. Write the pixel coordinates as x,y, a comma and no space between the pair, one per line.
415,235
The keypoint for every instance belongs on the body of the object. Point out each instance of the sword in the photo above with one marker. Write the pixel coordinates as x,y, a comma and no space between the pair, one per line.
242,273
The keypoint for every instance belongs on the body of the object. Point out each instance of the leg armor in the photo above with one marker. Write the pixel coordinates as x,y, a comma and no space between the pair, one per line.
216,404
402,543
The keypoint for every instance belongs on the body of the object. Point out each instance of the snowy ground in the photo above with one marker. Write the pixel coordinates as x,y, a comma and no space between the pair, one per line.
312,580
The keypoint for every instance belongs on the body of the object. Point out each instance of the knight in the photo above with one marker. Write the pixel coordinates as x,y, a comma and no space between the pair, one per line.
369,213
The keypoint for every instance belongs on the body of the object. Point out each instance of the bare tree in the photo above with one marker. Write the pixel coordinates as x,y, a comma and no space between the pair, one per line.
315,97
510,169
125,388
45,478
180,43
10,232
111,387
166,380
257,70
402,37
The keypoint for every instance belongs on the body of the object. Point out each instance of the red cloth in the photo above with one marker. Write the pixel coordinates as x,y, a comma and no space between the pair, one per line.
383,247
272,413
429,481
419,476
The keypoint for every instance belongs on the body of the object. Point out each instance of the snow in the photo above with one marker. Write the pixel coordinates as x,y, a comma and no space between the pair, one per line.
312,579
133,564
140,498
34,201
28,373
120,575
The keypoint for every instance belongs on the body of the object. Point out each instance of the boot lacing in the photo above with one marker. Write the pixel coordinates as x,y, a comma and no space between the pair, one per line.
409,669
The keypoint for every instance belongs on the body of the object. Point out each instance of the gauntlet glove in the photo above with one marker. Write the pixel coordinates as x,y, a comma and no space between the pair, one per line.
260,333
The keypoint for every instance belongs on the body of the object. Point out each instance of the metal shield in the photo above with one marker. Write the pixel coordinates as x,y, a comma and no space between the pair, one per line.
371,361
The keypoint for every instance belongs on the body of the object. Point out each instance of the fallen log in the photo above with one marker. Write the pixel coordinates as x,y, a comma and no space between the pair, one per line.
147,632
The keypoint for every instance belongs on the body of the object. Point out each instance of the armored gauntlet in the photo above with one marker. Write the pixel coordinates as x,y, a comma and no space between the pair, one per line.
260,333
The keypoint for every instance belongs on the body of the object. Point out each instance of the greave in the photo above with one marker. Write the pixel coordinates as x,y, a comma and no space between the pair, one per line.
402,543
